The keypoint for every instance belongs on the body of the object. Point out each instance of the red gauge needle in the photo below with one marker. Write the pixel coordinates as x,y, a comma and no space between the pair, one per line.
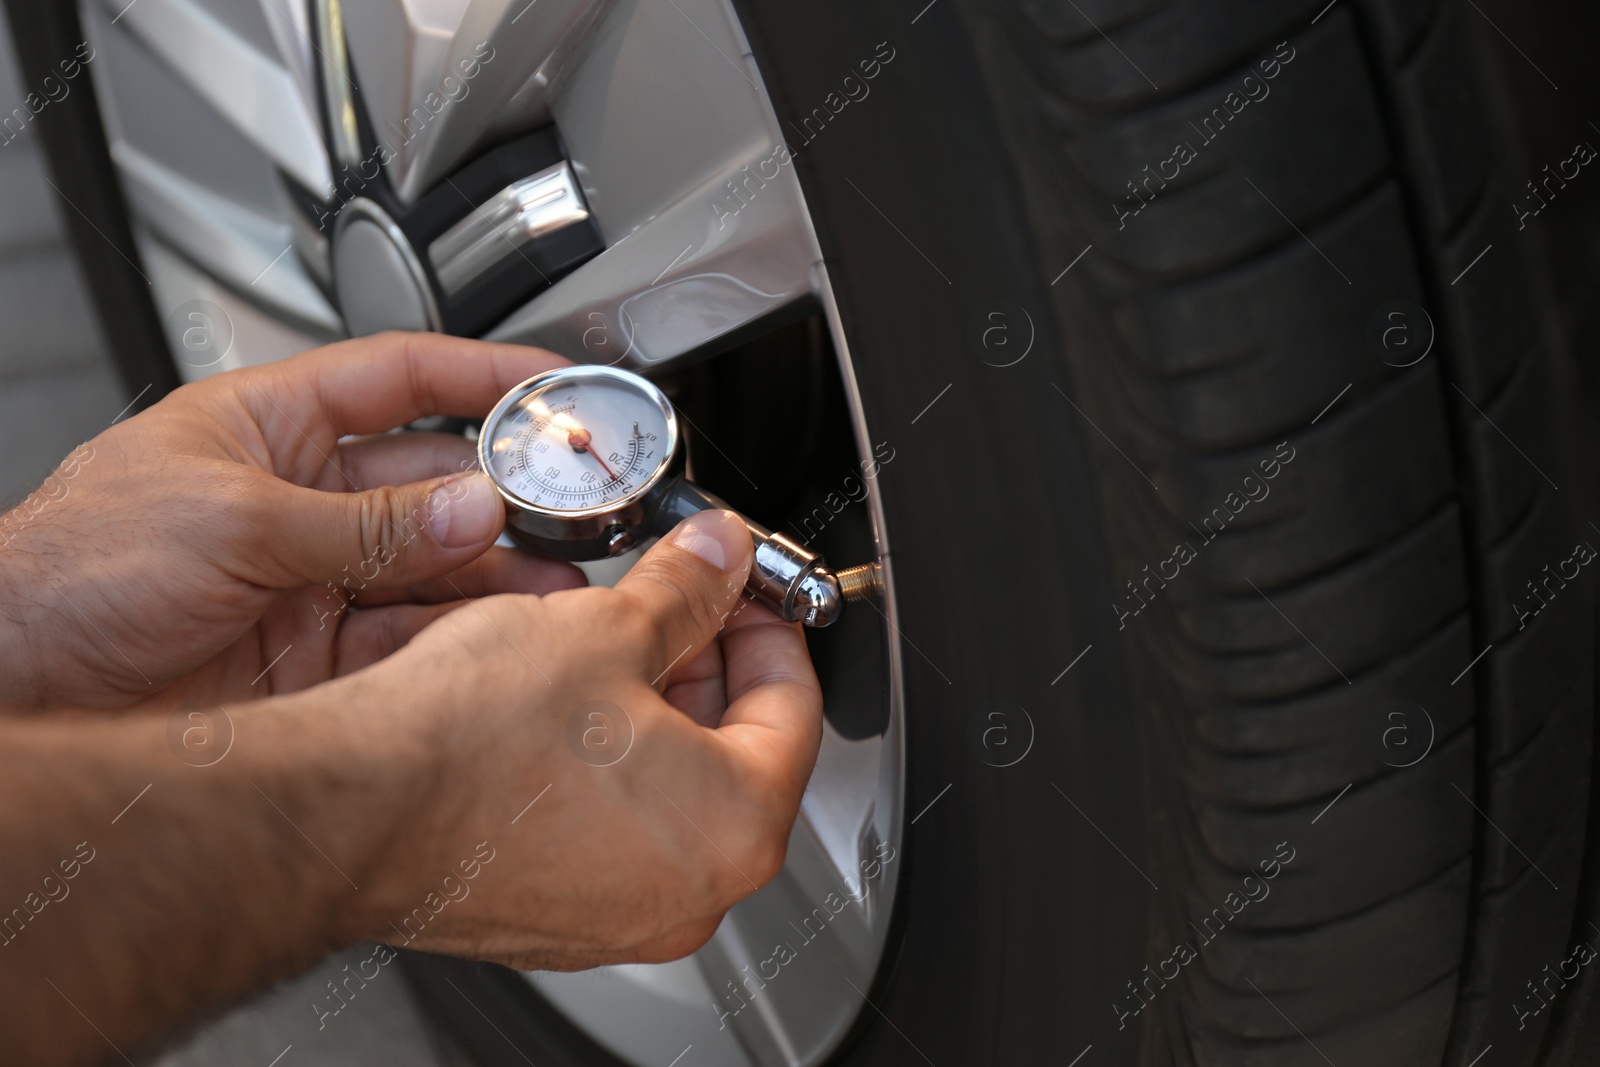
580,442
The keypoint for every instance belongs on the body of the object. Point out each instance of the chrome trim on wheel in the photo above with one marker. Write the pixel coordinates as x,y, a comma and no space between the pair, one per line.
524,211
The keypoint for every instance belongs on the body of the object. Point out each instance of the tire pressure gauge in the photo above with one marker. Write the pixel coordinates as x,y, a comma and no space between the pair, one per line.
590,463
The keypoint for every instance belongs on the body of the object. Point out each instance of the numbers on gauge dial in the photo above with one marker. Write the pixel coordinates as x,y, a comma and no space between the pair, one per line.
577,445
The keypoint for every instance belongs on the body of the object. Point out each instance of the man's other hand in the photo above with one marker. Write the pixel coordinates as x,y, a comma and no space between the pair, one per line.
238,525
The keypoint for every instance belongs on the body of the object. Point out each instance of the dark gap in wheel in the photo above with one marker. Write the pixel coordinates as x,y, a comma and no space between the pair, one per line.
771,434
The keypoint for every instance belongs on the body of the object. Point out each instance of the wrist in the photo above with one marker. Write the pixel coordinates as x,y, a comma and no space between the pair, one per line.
230,869
358,785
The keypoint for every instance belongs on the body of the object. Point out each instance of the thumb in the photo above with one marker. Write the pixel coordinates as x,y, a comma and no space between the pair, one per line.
687,584
388,536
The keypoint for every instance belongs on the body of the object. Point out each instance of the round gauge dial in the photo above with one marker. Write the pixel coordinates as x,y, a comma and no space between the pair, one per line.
580,439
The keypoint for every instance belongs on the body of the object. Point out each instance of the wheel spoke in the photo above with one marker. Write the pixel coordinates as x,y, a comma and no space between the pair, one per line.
783,962
773,988
233,243
654,1011
289,22
838,807
669,290
691,184
249,87
439,80
253,335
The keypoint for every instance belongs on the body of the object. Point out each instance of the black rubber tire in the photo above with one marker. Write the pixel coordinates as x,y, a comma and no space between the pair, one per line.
96,217
1358,155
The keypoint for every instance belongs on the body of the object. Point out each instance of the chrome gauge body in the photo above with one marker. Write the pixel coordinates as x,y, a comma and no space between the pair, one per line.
590,463
578,453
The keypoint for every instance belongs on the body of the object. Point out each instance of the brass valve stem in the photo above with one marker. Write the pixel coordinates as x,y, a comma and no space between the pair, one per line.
860,582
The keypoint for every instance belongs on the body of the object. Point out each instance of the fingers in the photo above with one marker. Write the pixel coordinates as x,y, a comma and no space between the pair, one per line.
499,570
768,650
388,536
376,383
369,636
774,719
395,459
399,458
686,585
695,687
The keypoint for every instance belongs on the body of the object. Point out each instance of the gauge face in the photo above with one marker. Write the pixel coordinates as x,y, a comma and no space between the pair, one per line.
581,439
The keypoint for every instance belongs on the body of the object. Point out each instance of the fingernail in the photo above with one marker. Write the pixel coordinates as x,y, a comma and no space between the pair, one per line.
718,537
465,511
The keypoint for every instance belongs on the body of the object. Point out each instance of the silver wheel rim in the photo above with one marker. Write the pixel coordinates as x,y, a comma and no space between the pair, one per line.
674,143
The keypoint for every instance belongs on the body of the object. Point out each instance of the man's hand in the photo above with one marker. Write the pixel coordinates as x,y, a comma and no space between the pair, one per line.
649,825
233,528
522,782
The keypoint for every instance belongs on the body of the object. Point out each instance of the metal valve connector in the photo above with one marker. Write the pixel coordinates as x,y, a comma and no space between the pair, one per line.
823,593
786,576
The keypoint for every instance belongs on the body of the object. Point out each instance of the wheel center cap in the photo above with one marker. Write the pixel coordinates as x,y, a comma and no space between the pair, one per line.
377,276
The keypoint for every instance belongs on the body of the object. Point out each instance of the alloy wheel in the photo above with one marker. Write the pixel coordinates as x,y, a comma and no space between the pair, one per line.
604,179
